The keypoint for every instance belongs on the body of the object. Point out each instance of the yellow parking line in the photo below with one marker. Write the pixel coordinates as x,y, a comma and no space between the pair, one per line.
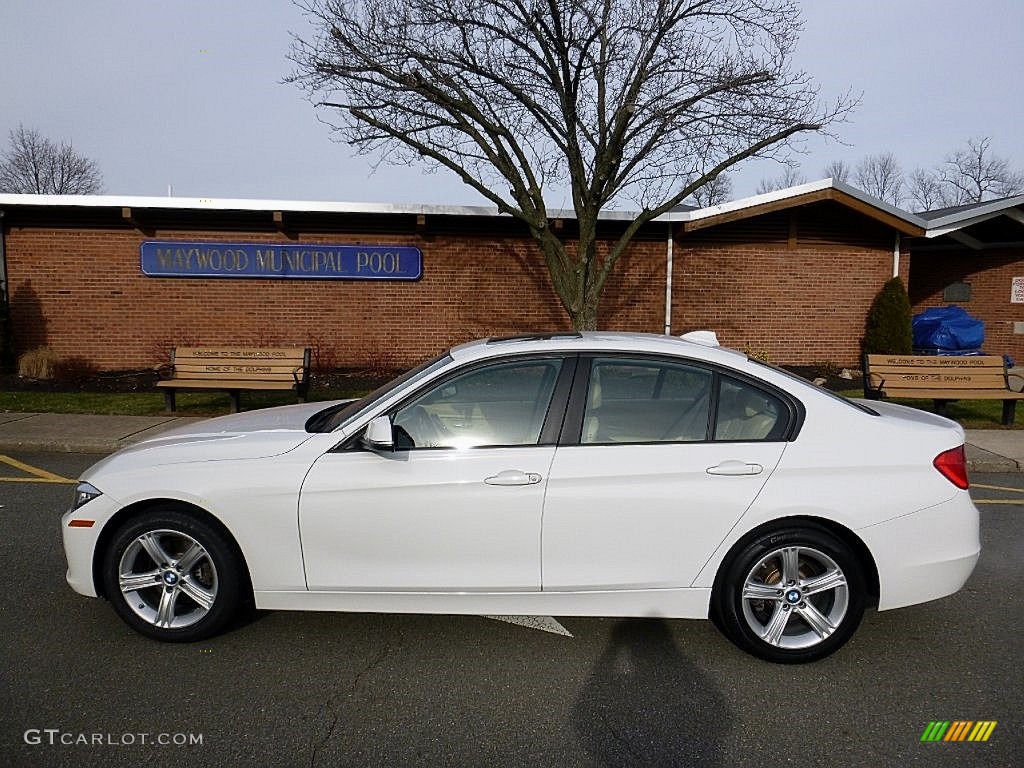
1018,502
38,475
997,488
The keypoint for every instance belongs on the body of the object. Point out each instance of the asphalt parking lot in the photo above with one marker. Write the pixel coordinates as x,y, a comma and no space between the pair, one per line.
290,689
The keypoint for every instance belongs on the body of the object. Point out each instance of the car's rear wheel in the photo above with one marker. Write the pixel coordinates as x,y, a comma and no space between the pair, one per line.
791,595
172,576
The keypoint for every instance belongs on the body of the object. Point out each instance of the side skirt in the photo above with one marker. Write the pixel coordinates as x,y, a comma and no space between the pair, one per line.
652,603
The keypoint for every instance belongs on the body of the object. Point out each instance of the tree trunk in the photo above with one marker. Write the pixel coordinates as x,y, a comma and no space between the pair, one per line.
586,318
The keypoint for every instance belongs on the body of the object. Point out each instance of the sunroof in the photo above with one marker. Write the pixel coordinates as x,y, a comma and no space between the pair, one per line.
535,337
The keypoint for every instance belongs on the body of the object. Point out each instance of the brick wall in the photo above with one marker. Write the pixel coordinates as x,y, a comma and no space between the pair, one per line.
795,289
81,293
798,290
990,275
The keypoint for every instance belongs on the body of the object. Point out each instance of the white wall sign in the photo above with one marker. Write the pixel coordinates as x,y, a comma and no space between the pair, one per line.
1017,291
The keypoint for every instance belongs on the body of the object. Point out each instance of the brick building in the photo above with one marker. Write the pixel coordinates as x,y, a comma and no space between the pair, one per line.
790,274
973,256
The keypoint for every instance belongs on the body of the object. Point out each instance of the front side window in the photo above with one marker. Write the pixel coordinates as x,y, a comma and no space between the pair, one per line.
646,401
502,404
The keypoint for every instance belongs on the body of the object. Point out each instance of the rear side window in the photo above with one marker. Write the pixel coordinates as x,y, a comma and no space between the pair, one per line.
650,400
646,401
748,413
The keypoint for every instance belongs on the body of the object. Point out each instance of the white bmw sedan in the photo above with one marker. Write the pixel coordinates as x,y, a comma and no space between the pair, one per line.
591,474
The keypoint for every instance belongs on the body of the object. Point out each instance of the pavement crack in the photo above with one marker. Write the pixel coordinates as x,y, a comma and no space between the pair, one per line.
391,645
624,742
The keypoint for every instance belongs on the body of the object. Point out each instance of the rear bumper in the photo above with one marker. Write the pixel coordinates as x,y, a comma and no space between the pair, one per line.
925,555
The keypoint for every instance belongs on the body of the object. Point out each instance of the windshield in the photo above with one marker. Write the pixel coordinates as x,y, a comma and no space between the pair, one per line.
330,419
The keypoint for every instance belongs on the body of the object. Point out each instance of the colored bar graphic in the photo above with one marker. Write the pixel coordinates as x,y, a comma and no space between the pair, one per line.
958,730
982,730
935,731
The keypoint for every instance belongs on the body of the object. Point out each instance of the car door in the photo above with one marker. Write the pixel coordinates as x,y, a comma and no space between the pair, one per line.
659,460
457,505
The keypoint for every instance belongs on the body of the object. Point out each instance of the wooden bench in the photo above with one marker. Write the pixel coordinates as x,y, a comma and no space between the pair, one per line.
234,369
942,379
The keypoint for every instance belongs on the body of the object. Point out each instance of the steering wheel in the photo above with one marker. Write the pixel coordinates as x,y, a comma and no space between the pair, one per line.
425,429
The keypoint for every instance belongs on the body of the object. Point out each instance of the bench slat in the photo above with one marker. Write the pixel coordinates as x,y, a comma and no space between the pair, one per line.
231,370
950,361
184,359
243,353
938,378
987,370
954,394
236,368
214,384
945,381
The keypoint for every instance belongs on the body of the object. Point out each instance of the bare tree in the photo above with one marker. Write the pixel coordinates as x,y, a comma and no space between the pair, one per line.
881,176
973,174
926,192
718,190
791,177
647,100
838,170
35,165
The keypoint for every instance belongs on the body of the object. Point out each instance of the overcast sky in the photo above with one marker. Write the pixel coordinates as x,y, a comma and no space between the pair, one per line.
189,94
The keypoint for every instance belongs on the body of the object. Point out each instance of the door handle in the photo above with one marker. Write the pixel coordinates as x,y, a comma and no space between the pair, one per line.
513,477
734,468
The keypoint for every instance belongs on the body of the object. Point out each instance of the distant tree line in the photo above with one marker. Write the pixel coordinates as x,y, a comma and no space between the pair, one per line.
33,164
971,174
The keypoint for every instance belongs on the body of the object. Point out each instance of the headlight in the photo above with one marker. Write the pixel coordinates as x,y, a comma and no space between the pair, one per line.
84,493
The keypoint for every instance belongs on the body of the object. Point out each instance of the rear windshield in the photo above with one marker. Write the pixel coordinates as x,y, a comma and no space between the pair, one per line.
829,393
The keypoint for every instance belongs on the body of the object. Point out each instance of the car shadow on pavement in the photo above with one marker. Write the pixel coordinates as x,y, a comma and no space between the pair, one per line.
647,704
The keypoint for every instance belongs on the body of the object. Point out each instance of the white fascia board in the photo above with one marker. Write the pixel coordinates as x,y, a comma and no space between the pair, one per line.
792,192
301,206
749,202
239,204
882,205
974,215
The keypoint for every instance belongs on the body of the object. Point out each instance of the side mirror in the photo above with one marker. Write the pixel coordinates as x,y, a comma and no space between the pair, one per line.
379,435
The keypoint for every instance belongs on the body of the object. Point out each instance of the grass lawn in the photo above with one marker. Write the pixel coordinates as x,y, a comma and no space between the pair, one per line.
152,403
973,414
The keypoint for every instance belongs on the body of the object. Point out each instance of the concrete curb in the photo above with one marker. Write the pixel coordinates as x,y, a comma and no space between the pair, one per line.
980,460
80,433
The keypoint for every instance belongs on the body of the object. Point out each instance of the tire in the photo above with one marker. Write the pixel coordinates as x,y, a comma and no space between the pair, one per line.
171,576
791,595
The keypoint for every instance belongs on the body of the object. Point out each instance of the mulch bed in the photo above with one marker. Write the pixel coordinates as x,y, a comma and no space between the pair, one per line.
347,379
145,381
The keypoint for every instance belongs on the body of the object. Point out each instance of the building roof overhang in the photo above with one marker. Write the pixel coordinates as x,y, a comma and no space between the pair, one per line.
805,194
982,226
686,219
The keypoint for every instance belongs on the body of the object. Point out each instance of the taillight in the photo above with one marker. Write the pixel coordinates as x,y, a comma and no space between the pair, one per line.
953,466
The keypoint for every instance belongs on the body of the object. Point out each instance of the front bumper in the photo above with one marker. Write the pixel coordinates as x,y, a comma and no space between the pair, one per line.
80,543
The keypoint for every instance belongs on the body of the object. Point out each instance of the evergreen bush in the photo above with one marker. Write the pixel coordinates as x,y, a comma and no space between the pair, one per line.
888,328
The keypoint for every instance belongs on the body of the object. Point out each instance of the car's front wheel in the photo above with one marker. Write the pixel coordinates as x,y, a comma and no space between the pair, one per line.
791,595
172,576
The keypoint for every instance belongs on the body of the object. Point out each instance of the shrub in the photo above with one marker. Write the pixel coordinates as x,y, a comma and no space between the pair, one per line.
39,363
757,352
888,330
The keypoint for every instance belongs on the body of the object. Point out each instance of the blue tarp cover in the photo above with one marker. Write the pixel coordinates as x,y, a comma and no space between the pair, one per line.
948,330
